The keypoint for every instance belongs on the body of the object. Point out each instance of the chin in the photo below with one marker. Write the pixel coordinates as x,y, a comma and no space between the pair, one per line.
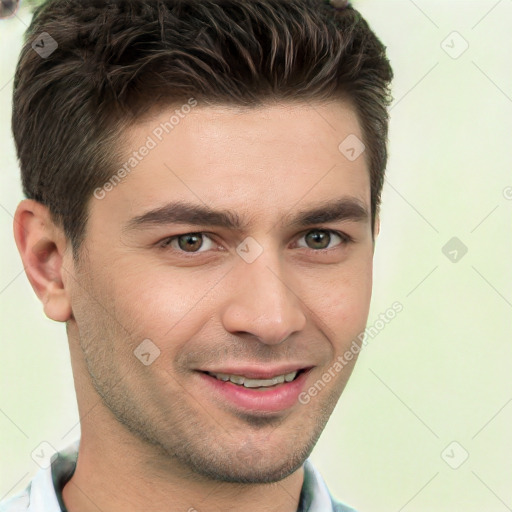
250,466
264,472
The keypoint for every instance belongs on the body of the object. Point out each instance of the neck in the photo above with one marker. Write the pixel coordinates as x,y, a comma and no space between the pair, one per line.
115,477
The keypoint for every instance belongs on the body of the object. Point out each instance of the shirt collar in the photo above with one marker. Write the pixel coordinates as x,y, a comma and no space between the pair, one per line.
315,496
44,493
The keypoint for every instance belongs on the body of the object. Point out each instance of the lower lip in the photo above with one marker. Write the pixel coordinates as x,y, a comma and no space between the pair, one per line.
272,399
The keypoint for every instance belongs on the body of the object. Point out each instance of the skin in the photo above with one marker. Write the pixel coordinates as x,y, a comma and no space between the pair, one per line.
154,434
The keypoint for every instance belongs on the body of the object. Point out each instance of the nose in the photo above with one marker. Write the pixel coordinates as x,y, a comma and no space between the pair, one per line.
262,303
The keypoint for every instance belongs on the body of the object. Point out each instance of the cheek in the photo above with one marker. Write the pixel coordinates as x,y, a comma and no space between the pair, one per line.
169,306
161,304
341,302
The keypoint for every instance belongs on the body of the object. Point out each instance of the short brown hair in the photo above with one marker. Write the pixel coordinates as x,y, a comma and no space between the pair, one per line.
117,58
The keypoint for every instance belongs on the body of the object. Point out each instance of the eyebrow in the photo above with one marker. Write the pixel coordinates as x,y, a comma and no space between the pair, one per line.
341,209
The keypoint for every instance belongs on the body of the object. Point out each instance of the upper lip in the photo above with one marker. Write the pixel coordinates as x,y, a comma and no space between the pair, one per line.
258,371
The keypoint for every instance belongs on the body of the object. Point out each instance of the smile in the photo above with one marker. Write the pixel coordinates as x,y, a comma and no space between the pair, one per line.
258,391
247,382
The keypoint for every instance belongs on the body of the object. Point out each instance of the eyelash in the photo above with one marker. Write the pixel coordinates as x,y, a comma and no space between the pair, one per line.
345,240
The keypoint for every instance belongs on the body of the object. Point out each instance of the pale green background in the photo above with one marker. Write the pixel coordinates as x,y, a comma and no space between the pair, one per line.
440,371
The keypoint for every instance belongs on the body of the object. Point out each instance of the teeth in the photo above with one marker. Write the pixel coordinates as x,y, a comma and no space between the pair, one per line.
236,379
290,376
261,383
254,383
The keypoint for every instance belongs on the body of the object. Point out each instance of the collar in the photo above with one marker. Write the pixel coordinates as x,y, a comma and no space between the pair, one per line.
44,493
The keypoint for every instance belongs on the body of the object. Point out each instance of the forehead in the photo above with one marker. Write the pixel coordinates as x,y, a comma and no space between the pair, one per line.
291,130
259,160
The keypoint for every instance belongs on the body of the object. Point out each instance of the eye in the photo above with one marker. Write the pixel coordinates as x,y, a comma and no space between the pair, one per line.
188,242
315,239
320,239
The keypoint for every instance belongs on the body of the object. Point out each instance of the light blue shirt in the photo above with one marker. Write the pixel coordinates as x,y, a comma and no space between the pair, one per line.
44,492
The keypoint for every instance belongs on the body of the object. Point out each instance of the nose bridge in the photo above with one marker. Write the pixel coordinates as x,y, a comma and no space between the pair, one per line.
262,302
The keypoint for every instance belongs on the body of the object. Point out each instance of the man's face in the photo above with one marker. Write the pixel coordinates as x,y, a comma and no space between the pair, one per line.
261,296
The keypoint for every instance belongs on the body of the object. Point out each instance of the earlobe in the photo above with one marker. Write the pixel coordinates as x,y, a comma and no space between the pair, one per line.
56,303
42,247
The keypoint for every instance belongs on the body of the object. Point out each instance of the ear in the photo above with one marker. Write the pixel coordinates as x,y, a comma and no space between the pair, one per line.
42,246
376,228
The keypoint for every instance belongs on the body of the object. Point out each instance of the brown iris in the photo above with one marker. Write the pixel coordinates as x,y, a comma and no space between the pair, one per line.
190,242
318,238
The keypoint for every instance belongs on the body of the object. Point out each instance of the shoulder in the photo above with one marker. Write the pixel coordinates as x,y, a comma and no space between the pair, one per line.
41,494
18,503
38,496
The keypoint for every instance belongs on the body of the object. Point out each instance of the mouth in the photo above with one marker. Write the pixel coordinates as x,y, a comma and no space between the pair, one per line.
254,383
254,390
